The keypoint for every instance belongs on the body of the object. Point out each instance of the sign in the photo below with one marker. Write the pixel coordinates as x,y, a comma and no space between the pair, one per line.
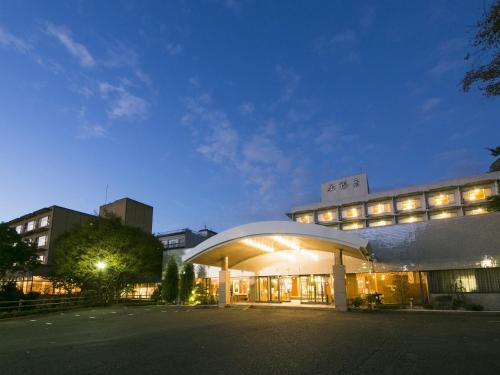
345,188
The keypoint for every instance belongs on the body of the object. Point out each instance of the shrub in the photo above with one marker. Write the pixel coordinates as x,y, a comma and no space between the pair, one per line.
357,301
474,307
444,302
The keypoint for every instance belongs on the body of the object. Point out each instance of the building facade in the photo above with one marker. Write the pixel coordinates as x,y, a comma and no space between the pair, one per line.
45,225
411,245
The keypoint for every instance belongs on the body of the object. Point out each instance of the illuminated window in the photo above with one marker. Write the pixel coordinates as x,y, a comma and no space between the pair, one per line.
327,216
379,208
305,218
30,225
353,225
352,212
41,258
42,241
476,194
443,215
476,211
410,219
441,199
43,222
409,203
19,229
379,223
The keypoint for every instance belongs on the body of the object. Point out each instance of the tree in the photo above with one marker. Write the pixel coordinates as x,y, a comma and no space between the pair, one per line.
187,282
495,152
494,201
170,284
104,257
487,43
16,256
201,271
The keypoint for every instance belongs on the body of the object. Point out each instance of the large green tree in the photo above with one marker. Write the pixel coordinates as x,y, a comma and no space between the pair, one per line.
486,70
103,256
494,201
187,282
170,284
16,256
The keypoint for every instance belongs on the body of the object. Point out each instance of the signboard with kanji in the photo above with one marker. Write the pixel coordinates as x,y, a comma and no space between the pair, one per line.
345,188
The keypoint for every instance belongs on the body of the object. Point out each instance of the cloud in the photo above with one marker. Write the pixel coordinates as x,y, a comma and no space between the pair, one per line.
87,129
290,80
333,138
9,40
122,103
194,81
77,50
430,104
367,17
174,49
246,108
323,45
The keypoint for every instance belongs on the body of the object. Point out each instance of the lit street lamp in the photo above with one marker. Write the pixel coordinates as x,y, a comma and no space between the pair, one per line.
101,265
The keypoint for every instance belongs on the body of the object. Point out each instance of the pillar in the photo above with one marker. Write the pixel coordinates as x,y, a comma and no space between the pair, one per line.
224,283
339,288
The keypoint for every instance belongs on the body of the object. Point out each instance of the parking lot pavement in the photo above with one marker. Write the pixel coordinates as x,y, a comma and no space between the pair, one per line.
181,340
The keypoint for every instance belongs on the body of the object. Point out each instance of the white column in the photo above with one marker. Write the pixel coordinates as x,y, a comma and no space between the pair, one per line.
339,289
224,283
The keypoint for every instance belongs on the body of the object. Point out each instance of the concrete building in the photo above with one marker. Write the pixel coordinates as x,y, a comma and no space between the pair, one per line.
45,225
409,245
177,242
131,213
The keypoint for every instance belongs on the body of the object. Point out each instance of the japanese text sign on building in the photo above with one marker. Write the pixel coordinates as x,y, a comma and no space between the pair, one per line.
344,188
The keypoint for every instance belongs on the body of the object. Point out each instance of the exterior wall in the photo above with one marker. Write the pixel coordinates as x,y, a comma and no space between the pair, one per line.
130,212
490,301
339,203
64,220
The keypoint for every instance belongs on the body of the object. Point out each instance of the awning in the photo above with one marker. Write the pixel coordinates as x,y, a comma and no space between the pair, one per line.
251,240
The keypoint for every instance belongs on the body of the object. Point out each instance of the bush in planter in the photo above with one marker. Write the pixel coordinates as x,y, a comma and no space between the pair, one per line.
474,307
444,302
357,302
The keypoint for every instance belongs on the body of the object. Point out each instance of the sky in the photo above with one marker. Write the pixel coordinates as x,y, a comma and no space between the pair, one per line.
221,113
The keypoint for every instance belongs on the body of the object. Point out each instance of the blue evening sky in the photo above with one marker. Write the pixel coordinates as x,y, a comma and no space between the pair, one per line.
227,112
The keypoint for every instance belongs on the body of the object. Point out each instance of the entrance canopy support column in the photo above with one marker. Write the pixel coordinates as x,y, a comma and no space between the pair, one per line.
339,288
224,283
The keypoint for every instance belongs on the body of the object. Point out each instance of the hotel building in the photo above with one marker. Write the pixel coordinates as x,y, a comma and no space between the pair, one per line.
45,225
405,245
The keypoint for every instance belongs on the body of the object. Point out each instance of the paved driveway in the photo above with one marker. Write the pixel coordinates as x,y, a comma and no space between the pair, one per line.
169,340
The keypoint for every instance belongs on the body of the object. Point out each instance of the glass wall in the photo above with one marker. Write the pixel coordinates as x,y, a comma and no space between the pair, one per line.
391,287
380,208
476,194
305,218
352,212
441,199
409,203
327,216
481,280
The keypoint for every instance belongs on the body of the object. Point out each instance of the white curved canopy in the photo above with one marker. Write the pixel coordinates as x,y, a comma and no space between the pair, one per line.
247,241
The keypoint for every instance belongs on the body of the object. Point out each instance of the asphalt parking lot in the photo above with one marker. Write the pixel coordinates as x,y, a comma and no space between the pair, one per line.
171,340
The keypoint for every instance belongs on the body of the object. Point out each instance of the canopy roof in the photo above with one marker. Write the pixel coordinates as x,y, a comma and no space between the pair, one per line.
251,240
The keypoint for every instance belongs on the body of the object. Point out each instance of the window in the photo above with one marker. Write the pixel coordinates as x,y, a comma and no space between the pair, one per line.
410,219
43,222
409,203
476,211
41,258
476,194
353,225
379,223
305,218
482,280
443,215
42,241
327,216
352,212
30,225
441,199
378,208
19,229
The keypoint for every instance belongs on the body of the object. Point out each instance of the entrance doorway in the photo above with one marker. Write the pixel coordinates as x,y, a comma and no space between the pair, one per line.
301,289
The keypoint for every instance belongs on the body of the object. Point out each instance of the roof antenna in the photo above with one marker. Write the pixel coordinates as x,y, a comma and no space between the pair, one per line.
106,198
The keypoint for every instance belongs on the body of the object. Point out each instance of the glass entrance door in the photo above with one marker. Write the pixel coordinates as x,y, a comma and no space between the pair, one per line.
315,289
285,288
275,290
